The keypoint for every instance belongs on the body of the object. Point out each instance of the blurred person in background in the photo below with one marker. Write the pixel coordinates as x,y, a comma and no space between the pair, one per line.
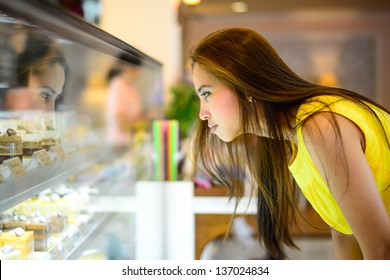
124,104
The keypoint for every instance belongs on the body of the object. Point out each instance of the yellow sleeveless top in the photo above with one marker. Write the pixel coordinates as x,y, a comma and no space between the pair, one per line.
377,153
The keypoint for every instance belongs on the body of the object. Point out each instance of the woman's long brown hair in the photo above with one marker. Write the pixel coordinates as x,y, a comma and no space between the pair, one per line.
246,63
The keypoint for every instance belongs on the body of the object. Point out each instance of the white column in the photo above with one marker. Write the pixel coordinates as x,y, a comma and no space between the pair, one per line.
180,221
149,221
165,221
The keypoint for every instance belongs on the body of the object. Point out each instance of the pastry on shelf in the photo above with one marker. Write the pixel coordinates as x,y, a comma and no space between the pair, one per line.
32,142
50,138
16,221
21,240
41,227
10,145
59,223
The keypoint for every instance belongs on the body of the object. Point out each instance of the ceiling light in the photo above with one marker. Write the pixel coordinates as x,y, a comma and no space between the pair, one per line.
192,2
239,7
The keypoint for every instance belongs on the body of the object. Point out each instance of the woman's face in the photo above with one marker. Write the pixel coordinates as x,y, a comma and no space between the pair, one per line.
218,105
45,84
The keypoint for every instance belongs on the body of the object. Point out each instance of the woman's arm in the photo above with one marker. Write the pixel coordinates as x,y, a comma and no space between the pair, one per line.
342,163
345,247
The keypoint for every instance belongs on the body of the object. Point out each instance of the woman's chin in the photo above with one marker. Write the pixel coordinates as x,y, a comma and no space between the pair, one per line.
229,138
226,138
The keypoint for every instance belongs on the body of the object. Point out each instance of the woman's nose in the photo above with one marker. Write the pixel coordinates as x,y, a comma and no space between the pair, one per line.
203,114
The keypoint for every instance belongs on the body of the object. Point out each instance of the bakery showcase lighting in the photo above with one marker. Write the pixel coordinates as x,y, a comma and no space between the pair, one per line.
192,2
239,7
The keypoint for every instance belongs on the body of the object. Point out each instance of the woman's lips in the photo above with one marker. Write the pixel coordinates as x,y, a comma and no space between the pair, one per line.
213,128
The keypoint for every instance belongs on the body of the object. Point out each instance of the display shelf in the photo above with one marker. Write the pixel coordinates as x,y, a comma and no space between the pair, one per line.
70,245
20,189
86,236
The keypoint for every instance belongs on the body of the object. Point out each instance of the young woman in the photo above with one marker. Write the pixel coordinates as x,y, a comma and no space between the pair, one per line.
263,122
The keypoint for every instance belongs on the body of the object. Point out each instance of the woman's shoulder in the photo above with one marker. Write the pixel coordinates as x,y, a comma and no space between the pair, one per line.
351,108
325,118
323,102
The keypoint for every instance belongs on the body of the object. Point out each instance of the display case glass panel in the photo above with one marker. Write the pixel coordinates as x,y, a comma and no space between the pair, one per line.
76,106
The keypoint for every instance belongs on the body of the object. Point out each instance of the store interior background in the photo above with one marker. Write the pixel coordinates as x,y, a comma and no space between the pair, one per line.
166,30
347,43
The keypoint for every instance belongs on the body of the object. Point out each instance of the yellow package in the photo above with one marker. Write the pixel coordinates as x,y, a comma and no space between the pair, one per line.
8,252
22,241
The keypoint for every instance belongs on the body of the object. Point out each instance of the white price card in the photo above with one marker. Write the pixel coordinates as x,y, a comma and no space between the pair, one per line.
57,253
83,228
57,152
68,244
42,156
15,166
76,235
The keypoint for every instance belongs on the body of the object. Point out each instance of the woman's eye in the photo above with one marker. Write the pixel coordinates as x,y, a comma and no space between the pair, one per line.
47,94
205,94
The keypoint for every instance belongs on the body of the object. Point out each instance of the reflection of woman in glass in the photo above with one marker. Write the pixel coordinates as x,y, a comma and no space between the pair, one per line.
40,72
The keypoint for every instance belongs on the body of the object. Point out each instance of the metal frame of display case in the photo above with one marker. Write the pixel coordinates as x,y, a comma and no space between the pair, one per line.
69,26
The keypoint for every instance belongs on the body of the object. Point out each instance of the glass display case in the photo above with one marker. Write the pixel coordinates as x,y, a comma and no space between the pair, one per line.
76,106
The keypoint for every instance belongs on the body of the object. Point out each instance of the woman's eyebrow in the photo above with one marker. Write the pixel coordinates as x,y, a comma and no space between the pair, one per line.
47,89
201,87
